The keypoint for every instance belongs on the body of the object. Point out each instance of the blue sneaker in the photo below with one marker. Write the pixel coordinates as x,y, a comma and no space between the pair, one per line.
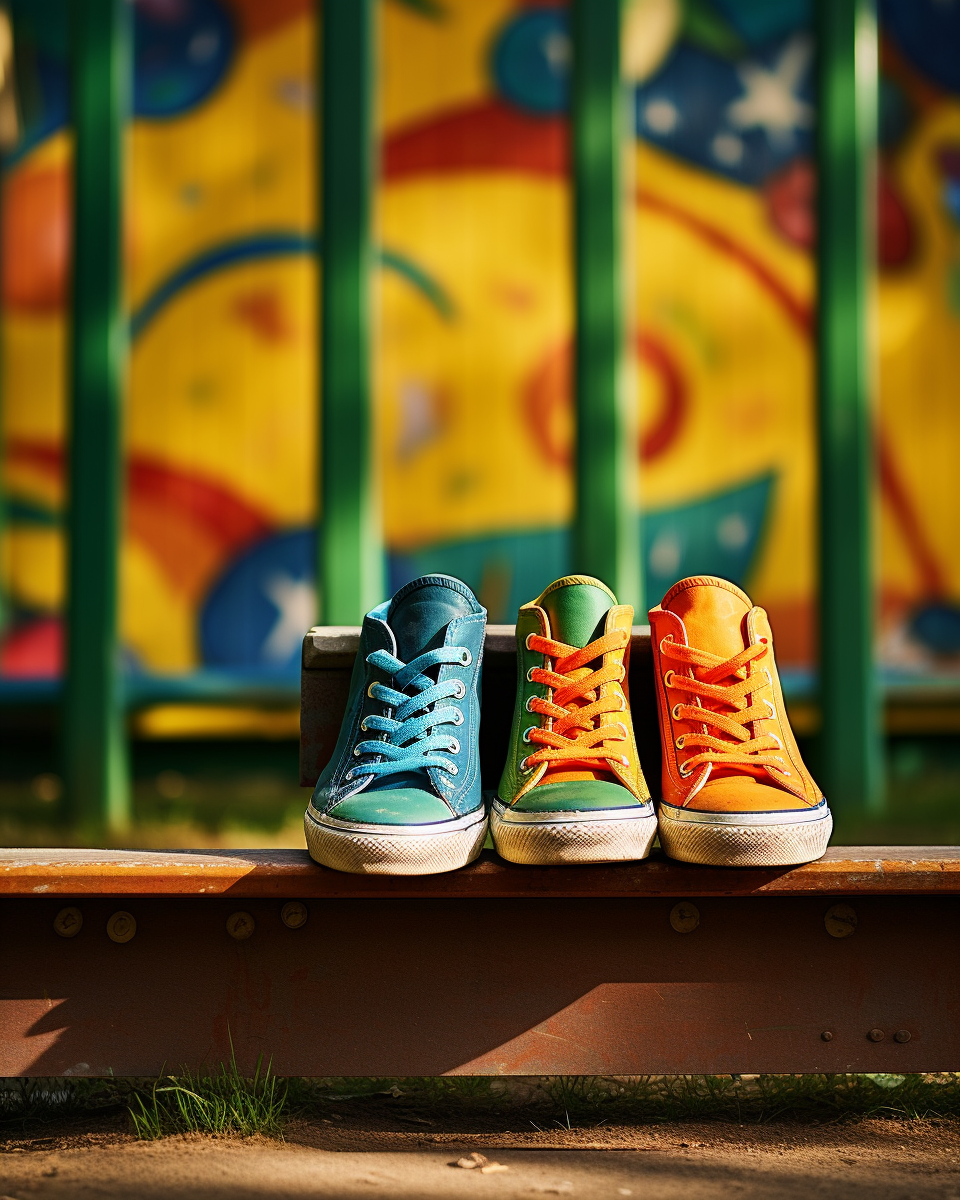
401,795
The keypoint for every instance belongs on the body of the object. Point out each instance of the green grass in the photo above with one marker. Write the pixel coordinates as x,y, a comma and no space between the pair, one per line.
228,1102
220,1103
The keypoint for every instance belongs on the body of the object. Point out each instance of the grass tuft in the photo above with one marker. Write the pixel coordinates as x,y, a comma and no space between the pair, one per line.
224,1102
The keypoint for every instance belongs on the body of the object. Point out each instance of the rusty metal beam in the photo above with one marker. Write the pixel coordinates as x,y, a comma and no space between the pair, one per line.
542,985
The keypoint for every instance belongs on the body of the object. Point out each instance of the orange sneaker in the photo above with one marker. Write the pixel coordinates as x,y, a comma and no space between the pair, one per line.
735,790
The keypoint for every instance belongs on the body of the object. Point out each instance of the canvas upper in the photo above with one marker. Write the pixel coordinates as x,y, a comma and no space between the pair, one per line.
575,767
382,770
713,657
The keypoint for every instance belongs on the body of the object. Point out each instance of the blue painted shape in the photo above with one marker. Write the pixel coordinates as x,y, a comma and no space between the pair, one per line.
281,243
255,615
937,627
717,535
928,33
530,62
690,108
182,50
504,570
760,21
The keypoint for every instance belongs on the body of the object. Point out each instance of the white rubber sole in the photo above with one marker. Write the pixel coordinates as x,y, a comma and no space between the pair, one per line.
774,839
558,839
394,850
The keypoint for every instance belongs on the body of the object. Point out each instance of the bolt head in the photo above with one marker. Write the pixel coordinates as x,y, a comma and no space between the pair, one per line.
902,1035
684,917
68,922
875,1035
121,927
840,920
294,914
827,1035
240,925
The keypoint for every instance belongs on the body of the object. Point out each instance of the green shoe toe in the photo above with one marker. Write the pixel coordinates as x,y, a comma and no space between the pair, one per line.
581,796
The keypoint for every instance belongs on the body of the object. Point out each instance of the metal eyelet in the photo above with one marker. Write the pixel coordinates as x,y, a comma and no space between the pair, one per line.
454,746
466,658
777,740
357,752
683,771
668,679
773,711
527,705
674,713
349,775
453,769
678,742
363,724
769,677
459,717
530,678
370,687
525,736
526,641
523,764
459,695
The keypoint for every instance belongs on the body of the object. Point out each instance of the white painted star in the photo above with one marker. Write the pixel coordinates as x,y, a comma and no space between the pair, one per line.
770,101
295,601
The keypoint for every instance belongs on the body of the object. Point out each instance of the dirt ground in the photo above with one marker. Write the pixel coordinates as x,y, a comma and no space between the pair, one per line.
343,1157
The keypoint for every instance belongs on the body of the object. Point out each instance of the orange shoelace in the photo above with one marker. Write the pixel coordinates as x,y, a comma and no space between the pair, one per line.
738,748
575,734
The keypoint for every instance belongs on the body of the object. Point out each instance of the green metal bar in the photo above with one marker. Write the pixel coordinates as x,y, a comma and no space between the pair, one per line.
851,745
95,764
351,561
607,529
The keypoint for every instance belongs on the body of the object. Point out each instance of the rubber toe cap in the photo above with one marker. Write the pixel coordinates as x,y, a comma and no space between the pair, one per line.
395,806
583,796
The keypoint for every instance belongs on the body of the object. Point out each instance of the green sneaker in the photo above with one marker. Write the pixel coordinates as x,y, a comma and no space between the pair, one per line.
401,794
572,790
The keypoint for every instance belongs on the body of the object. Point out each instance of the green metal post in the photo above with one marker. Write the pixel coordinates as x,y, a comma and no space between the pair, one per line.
607,529
95,767
852,748
351,566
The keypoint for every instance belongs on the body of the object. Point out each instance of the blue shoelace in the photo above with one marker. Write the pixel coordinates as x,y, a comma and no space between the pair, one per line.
412,741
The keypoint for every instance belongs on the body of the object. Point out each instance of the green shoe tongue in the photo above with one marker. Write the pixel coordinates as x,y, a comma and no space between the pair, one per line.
577,609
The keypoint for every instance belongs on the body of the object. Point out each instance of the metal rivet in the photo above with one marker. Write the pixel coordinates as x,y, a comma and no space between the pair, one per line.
121,927
826,1036
684,917
875,1035
68,922
902,1035
840,920
240,925
294,914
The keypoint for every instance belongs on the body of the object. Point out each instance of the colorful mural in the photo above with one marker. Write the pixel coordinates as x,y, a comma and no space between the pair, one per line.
474,317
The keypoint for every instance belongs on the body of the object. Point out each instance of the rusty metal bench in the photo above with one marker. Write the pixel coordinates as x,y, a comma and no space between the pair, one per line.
123,962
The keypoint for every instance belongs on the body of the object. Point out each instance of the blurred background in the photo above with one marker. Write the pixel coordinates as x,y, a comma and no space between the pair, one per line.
473,345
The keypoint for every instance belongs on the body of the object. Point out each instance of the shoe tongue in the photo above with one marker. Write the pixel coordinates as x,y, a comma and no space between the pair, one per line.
577,609
420,613
712,610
